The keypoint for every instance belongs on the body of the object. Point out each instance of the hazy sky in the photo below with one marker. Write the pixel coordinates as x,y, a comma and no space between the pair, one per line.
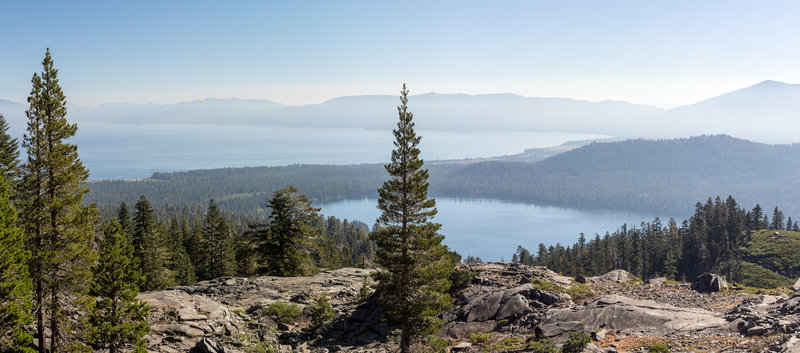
662,53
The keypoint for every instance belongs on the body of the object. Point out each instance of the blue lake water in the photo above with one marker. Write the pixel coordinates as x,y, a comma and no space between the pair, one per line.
492,229
114,151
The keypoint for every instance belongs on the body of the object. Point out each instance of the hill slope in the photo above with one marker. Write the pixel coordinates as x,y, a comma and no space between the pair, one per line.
656,175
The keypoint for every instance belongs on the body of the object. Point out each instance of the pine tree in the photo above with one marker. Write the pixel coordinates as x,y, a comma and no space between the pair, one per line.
181,263
220,255
285,243
194,248
58,228
116,318
124,219
9,153
149,248
16,288
777,219
413,283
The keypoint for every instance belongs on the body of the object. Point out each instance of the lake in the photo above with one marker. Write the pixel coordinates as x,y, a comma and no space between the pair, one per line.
115,151
492,229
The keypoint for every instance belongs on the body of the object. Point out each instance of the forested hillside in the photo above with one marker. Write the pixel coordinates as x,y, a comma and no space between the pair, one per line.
654,175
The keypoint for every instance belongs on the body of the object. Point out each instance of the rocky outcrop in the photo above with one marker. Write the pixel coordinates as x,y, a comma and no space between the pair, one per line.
709,282
226,315
631,316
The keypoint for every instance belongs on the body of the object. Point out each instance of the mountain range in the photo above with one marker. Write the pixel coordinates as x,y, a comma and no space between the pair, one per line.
764,112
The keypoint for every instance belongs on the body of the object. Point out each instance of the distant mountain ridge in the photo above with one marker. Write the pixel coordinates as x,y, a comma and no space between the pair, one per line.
760,112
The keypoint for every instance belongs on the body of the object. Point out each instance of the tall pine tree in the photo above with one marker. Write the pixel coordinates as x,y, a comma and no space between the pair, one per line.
59,229
218,247
413,285
124,219
149,247
116,318
16,287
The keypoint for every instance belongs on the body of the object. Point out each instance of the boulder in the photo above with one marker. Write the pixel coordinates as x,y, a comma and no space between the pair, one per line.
513,308
484,307
462,347
796,286
657,281
709,282
616,276
206,345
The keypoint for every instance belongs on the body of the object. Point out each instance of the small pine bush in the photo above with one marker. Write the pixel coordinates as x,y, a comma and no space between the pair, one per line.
659,347
576,343
321,312
286,313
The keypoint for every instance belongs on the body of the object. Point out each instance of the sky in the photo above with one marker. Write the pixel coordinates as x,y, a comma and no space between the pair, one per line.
661,53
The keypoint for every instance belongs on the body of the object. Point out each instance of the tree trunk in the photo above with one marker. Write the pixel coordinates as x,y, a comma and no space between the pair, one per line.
40,315
405,339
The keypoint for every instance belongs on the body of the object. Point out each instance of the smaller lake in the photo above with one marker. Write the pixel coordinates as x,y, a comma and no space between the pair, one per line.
492,229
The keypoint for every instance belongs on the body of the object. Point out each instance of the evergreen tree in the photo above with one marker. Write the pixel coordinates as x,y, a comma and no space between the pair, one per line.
285,243
59,228
413,284
220,256
9,153
181,264
16,287
124,219
777,219
149,248
194,248
116,318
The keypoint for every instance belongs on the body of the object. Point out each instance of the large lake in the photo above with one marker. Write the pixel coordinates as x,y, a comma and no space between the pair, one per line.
113,151
492,229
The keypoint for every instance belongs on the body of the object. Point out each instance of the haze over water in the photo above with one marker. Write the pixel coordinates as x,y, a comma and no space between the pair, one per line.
114,153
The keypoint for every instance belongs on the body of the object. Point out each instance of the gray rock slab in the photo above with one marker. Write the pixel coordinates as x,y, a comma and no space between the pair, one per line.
633,316
459,330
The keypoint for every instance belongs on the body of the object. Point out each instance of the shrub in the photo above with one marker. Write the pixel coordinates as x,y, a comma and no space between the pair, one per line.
477,338
541,345
364,292
321,312
438,344
659,347
576,343
507,344
286,313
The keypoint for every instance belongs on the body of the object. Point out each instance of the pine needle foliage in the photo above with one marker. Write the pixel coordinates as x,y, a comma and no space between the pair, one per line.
9,153
415,266
59,229
16,287
286,242
116,318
